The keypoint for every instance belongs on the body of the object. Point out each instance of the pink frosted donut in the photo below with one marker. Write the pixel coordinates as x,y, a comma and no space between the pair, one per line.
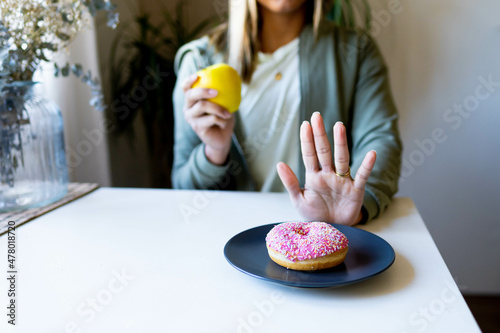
306,246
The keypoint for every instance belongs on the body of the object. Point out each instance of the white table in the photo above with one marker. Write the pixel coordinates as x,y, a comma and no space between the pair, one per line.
131,260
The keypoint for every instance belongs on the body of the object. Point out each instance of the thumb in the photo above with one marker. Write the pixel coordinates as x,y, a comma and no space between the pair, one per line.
289,180
189,81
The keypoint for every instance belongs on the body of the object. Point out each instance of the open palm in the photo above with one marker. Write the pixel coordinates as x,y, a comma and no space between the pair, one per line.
327,196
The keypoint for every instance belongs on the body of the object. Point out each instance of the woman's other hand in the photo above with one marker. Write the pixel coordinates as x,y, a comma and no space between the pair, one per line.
213,124
327,196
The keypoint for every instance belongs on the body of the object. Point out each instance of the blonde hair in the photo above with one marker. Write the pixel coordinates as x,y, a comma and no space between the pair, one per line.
239,38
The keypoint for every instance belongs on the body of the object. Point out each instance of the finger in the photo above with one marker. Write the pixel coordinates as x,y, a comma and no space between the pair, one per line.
341,151
196,94
189,81
307,145
365,170
322,145
289,180
204,107
202,124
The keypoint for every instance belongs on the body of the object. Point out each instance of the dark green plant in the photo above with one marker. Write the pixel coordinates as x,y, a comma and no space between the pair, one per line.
343,13
147,53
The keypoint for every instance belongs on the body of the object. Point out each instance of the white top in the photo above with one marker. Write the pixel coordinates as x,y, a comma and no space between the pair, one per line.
269,116
146,260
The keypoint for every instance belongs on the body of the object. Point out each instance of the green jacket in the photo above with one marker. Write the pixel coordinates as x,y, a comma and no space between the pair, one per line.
343,76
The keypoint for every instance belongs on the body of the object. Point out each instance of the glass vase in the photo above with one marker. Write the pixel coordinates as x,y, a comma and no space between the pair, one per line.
33,169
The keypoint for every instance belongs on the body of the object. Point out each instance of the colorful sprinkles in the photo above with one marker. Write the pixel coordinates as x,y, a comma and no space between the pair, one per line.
305,240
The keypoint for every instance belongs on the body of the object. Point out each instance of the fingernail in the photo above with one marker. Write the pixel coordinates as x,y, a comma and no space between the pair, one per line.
227,114
305,122
373,150
212,92
339,122
316,112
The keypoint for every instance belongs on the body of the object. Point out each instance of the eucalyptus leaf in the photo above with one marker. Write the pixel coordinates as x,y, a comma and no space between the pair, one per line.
56,70
109,6
113,20
92,7
22,83
77,69
65,70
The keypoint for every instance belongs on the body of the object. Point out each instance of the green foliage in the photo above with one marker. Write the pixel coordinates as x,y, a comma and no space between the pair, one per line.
149,46
31,31
145,48
343,13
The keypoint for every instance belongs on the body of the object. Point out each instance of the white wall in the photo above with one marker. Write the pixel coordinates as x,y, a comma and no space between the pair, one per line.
84,127
437,52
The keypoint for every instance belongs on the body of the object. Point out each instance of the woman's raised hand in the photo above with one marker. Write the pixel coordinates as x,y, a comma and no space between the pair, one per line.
327,195
213,124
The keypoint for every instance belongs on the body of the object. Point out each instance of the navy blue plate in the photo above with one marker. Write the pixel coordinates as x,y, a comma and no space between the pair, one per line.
368,255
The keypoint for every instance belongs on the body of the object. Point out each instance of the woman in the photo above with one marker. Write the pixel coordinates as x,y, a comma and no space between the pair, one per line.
293,63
